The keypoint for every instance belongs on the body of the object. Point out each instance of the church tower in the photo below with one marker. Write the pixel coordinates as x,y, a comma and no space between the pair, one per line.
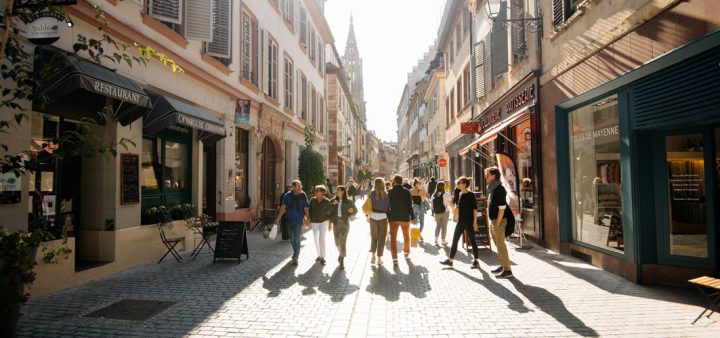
353,67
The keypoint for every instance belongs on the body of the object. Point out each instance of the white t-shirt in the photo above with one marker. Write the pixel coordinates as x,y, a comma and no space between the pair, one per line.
339,208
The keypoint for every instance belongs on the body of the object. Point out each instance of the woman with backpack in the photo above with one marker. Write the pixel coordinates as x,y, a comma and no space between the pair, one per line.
340,212
441,204
319,220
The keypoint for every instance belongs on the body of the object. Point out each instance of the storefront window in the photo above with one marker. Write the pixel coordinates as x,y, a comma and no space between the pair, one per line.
523,158
595,175
686,192
176,162
241,168
149,162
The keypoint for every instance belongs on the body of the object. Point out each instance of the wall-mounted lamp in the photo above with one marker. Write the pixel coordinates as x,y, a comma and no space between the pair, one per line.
69,21
349,143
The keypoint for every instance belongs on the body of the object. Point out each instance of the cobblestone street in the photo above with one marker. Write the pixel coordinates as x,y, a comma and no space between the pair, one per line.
551,295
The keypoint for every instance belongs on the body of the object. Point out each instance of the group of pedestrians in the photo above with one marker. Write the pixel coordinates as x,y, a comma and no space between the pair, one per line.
392,207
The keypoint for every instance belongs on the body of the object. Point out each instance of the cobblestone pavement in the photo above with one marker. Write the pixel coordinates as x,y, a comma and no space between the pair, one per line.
551,295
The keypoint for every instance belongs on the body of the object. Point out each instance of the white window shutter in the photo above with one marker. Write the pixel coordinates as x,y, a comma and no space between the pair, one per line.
166,10
198,20
221,44
246,47
479,69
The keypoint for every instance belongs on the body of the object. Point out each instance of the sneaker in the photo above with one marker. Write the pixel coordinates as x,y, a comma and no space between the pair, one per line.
395,262
447,262
372,260
498,270
445,243
318,259
505,274
407,255
294,260
475,265
322,261
341,266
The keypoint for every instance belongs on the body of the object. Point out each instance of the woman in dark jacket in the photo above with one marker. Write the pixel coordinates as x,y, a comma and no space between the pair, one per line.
342,209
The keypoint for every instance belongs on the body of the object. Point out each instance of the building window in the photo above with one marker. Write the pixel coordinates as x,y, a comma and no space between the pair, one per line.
596,184
242,138
303,27
447,111
311,51
452,103
523,158
273,69
564,9
303,97
466,84
458,91
458,37
248,45
313,106
289,11
289,71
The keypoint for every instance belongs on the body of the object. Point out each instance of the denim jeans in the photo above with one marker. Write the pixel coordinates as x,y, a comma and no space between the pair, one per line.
295,230
419,215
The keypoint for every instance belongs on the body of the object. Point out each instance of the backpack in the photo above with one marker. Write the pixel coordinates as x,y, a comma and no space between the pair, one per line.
510,225
438,203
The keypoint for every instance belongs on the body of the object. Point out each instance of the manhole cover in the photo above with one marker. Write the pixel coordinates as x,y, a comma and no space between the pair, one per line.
131,309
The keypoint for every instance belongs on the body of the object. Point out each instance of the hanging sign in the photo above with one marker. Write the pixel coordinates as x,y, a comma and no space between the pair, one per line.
469,127
45,28
442,162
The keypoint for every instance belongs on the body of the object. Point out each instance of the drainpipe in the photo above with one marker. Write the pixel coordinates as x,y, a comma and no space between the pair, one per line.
538,138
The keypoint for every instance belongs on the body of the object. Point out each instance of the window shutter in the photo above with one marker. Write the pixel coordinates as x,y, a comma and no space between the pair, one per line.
303,27
246,27
519,44
166,10
479,69
499,47
198,21
221,45
558,12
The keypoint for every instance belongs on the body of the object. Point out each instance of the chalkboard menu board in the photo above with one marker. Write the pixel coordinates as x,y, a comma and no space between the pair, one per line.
482,236
231,241
129,179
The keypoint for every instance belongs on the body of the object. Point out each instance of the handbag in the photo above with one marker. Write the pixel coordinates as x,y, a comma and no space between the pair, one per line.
273,231
367,206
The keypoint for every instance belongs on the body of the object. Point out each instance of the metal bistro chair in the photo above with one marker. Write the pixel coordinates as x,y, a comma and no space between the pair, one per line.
256,218
170,243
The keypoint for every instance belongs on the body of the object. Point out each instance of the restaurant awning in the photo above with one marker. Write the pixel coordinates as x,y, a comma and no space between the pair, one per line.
168,111
491,134
73,87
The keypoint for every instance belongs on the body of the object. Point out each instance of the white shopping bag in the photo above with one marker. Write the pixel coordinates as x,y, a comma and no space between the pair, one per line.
273,231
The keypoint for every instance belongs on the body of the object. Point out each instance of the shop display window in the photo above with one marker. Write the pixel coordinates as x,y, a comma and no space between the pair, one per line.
523,158
165,173
595,179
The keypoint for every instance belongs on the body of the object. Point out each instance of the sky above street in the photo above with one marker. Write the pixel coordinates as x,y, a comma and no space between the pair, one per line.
392,36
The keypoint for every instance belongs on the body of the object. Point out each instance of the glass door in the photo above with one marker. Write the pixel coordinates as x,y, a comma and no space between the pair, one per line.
685,199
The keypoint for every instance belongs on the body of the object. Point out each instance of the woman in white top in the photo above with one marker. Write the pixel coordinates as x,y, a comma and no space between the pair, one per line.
441,204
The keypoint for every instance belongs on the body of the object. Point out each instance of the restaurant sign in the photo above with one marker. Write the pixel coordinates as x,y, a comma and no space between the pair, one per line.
519,100
119,93
45,28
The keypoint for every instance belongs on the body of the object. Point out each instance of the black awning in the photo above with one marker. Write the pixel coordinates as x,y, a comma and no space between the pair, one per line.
168,111
74,87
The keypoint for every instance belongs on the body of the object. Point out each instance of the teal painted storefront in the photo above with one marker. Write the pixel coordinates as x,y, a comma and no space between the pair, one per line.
668,126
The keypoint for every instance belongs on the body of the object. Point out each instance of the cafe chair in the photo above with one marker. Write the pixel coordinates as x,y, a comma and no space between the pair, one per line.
256,218
170,243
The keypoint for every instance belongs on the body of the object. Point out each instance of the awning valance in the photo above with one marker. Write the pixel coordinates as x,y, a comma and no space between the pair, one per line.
71,86
168,111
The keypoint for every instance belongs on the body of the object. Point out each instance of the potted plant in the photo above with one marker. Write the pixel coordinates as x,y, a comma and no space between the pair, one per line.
17,259
182,211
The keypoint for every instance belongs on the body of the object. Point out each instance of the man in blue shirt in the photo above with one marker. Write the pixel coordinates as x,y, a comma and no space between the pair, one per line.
295,208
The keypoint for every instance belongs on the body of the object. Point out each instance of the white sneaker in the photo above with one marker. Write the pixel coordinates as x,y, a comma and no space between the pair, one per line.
445,243
372,260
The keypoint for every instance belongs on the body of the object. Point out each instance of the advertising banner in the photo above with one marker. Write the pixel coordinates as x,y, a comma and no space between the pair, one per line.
242,111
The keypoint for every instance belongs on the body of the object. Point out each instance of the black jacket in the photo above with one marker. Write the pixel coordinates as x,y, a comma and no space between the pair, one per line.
400,205
346,206
319,210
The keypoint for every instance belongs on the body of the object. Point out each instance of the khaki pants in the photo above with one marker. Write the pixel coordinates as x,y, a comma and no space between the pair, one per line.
498,235
378,232
393,237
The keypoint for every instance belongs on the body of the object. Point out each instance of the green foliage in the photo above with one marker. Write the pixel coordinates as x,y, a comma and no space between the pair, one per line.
311,169
309,136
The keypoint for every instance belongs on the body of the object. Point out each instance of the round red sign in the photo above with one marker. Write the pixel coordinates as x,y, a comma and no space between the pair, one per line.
442,162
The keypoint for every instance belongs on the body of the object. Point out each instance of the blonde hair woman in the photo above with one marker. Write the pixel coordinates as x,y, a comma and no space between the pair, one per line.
378,219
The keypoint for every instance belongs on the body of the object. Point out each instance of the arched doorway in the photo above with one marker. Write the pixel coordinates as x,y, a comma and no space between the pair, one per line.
267,177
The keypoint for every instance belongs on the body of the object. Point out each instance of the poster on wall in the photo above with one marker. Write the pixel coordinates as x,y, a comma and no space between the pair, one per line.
508,178
242,111
10,188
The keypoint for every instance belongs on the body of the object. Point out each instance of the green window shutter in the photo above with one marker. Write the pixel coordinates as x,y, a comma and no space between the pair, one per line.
166,10
221,45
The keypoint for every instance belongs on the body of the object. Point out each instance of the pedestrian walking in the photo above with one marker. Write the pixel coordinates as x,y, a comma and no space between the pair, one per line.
419,199
295,208
467,221
441,204
378,219
320,209
329,186
498,213
340,213
352,189
431,189
399,216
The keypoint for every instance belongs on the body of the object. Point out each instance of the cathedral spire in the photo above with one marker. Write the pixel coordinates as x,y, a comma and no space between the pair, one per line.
351,45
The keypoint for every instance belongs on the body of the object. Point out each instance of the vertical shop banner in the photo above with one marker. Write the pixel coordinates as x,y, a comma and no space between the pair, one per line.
510,182
242,111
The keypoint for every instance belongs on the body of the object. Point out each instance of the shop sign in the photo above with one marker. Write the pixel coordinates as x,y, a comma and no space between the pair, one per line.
45,28
200,125
117,92
593,134
10,187
469,127
520,99
442,162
